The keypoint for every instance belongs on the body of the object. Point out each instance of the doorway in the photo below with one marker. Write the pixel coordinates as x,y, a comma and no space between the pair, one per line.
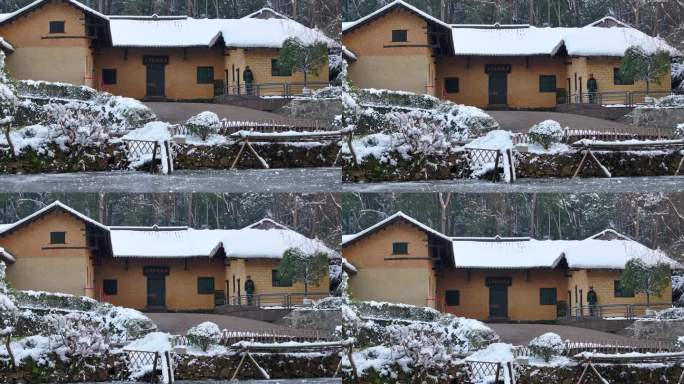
498,89
498,297
156,286
156,291
155,81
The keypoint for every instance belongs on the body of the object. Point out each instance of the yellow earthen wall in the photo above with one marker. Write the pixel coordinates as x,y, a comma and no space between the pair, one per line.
64,268
523,81
523,294
181,282
40,55
603,283
385,277
260,271
259,61
180,73
383,64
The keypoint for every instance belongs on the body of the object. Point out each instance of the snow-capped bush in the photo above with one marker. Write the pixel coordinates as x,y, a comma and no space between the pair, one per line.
8,308
675,313
546,346
78,123
203,124
423,349
204,335
546,133
678,76
78,334
671,101
385,97
679,131
119,113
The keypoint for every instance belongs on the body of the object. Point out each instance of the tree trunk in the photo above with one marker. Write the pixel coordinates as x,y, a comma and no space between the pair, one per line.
8,128
9,351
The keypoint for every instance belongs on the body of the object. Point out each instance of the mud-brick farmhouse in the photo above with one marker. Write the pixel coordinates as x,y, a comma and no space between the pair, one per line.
151,57
58,249
400,47
491,278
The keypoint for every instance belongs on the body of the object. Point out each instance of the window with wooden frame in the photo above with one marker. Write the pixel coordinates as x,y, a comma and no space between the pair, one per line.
618,291
57,237
618,80
57,27
547,83
452,297
205,285
400,248
277,71
548,296
277,281
205,75
109,76
110,287
451,85
399,36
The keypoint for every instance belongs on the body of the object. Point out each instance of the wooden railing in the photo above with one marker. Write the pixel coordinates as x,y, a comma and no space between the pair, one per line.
616,98
229,127
605,134
273,89
231,337
626,311
284,300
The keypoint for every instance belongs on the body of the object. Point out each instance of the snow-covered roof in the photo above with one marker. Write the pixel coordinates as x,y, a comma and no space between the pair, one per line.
579,254
529,41
523,41
610,19
610,232
397,216
189,32
145,242
265,10
6,256
12,15
349,25
48,208
267,223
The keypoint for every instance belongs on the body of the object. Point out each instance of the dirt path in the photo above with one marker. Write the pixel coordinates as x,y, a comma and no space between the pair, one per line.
180,112
521,121
523,333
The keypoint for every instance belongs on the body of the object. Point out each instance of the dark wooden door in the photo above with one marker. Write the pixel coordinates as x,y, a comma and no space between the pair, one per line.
498,301
155,80
156,291
498,88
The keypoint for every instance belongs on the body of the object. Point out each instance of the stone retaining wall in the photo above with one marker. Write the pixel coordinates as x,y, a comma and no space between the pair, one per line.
529,165
106,157
112,156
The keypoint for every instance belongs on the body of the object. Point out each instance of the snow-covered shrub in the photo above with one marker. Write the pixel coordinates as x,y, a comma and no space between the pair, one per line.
204,335
675,313
203,124
385,97
54,300
464,120
384,310
118,113
124,324
671,101
423,348
466,335
679,131
547,346
8,308
78,123
79,334
546,133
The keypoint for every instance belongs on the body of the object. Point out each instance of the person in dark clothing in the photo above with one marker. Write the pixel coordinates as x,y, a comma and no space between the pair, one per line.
249,290
592,88
592,299
248,78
